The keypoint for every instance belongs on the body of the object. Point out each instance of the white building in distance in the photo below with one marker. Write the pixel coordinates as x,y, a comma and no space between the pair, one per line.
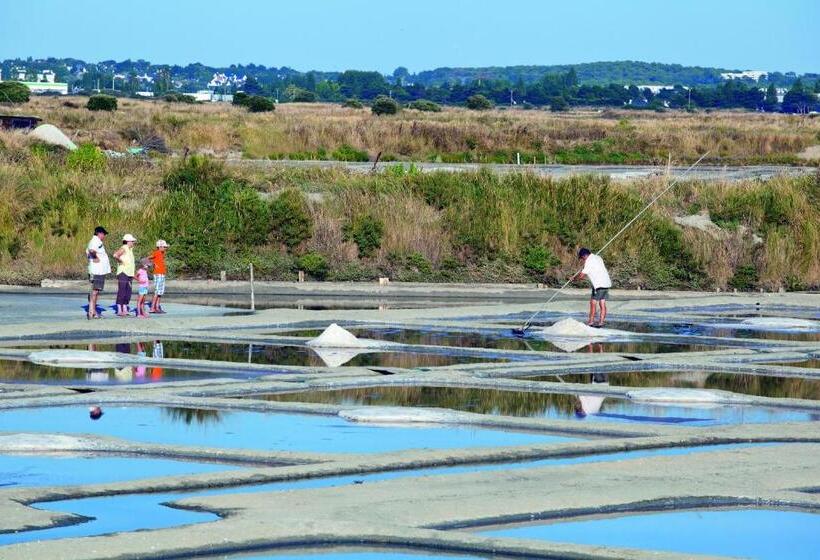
745,75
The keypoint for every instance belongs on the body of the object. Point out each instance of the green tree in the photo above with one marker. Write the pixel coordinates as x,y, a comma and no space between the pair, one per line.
14,92
383,105
478,102
770,101
102,102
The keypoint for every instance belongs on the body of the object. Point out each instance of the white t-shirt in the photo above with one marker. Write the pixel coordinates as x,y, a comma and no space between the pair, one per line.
102,266
596,271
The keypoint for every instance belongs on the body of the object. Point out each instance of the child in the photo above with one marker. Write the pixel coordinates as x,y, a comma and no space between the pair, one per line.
142,290
158,260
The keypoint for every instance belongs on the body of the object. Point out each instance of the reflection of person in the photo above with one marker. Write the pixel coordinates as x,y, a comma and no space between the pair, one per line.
158,259
157,352
95,412
595,270
98,267
97,376
125,273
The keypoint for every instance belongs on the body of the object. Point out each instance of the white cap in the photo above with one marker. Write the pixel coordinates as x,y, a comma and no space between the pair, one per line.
162,243
129,237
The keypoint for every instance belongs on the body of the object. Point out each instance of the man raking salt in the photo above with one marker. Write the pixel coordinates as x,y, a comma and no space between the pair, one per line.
596,271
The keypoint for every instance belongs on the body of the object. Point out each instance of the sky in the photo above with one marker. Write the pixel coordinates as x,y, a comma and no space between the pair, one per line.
419,34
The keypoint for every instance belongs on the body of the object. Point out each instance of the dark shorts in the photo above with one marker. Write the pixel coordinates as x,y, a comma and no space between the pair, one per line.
97,281
599,294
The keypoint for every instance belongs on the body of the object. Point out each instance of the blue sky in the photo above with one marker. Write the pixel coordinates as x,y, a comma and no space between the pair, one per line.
419,34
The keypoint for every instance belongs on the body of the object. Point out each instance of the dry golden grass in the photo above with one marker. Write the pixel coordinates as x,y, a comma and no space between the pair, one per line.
732,136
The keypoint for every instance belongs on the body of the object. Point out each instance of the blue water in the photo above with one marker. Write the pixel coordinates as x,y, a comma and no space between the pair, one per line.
114,513
40,470
258,430
749,533
358,555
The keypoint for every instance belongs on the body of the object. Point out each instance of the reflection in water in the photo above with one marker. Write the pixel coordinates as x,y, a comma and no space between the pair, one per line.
503,340
544,405
757,385
483,401
199,416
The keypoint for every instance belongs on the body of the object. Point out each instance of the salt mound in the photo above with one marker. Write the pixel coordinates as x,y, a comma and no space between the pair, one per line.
668,395
50,134
781,323
336,337
571,328
401,415
74,358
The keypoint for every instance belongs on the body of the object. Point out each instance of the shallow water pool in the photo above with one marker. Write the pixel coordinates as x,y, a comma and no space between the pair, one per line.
258,430
757,385
56,470
546,405
750,533
114,513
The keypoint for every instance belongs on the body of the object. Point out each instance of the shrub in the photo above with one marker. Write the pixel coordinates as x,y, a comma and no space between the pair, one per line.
558,104
259,104
176,97
353,104
250,220
346,152
383,105
478,102
290,218
425,105
101,102
304,96
537,258
197,173
241,98
87,157
745,278
367,232
14,92
314,264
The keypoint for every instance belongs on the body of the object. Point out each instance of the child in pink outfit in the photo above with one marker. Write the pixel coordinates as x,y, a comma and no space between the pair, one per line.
143,283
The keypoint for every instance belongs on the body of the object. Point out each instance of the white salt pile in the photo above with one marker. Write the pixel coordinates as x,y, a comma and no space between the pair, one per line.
75,358
401,415
671,395
781,323
336,337
570,328
337,346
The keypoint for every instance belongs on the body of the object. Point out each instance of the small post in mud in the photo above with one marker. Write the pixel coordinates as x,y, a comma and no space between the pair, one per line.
253,299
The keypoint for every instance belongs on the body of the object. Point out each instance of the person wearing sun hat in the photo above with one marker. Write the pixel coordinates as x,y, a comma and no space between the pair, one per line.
125,273
158,258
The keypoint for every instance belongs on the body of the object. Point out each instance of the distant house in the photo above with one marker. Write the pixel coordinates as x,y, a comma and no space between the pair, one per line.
19,121
754,75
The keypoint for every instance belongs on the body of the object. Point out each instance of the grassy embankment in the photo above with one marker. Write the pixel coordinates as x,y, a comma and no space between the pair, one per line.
323,131
461,227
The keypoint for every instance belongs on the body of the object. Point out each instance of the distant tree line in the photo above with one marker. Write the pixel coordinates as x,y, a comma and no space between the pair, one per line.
516,85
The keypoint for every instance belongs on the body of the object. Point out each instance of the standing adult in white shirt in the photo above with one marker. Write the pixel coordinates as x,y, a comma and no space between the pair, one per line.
596,271
98,267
